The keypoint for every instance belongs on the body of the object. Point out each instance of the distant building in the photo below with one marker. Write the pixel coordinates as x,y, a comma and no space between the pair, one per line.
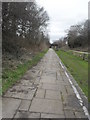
54,45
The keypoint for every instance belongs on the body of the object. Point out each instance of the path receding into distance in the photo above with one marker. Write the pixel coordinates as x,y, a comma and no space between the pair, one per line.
45,91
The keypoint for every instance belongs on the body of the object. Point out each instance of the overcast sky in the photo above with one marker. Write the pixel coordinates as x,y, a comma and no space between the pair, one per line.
63,14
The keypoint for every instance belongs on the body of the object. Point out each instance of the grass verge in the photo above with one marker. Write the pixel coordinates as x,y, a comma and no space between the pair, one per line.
77,67
9,77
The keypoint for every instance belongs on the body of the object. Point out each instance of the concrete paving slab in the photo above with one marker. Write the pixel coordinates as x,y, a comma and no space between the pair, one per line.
46,106
43,115
50,86
22,95
69,114
23,114
54,95
69,90
25,104
49,80
9,107
40,93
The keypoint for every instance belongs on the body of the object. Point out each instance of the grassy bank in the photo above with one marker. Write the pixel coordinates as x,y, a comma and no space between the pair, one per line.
10,77
77,67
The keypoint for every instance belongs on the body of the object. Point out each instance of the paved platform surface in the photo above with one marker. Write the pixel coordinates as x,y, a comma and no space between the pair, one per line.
43,92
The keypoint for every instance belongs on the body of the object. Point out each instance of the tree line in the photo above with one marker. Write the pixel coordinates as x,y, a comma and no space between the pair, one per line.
77,36
24,24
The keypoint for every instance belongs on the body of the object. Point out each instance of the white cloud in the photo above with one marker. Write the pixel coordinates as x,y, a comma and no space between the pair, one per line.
63,14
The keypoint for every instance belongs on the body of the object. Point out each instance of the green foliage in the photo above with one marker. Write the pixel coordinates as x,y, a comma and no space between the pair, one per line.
77,67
